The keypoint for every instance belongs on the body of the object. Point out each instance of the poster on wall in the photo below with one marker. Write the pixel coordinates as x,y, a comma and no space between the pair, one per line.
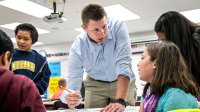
53,84
55,68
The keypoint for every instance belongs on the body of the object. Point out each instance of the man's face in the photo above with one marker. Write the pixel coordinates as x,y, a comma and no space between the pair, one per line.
24,41
97,30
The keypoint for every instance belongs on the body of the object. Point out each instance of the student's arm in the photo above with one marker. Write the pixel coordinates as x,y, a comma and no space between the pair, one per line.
141,107
43,81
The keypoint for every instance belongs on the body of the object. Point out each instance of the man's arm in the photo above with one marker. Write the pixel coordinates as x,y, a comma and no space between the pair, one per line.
75,76
123,60
122,86
75,71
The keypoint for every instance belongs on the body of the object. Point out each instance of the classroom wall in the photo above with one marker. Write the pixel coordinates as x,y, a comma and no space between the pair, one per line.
136,56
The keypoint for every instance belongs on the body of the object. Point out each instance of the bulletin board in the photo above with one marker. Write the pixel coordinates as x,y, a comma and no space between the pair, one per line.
55,68
53,84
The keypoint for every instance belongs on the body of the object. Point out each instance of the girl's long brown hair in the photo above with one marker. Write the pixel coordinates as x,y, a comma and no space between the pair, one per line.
171,70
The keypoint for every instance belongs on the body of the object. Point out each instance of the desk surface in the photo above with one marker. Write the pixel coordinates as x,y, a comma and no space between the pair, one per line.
127,109
48,102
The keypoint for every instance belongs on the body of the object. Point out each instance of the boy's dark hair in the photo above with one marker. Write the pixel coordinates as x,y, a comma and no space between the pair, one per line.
92,11
28,27
5,44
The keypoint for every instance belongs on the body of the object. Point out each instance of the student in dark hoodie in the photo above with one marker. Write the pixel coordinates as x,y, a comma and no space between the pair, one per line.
27,61
18,93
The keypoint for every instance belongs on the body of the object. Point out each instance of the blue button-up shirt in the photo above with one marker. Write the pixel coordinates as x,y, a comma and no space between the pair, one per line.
100,61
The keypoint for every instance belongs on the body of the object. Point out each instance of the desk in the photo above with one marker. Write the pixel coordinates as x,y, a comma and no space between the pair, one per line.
127,109
54,105
48,104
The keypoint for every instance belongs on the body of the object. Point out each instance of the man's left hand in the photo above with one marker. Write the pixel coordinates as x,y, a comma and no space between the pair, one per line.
114,107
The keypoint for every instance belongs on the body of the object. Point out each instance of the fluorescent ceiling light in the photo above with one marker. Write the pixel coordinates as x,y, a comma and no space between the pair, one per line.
27,7
12,26
36,44
193,15
119,12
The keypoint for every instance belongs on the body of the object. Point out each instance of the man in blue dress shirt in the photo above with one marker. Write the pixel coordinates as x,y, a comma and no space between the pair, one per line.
103,51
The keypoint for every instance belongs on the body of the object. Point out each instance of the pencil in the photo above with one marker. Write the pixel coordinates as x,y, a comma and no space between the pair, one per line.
66,89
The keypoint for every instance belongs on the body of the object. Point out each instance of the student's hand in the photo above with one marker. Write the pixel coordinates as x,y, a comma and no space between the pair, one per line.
113,107
73,99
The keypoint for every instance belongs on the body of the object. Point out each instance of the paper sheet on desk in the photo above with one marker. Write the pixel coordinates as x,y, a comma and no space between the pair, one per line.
128,109
81,110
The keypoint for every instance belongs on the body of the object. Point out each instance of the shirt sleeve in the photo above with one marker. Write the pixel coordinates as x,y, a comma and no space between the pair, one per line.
75,69
43,82
177,99
63,97
123,51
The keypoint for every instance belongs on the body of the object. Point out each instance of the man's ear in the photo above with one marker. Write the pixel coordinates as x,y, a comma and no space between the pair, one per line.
5,61
84,27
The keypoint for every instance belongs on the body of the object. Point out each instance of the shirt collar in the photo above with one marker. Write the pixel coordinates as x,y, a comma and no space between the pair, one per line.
91,44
